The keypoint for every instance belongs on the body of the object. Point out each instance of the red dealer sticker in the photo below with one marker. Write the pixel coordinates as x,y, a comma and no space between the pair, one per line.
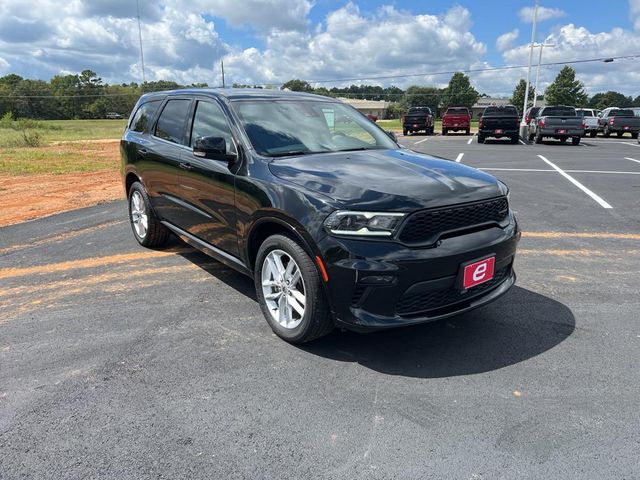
478,272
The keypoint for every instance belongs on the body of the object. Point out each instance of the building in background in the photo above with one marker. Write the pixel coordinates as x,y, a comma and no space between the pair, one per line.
484,102
377,108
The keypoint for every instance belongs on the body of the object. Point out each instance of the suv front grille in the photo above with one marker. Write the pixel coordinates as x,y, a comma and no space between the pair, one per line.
411,304
428,225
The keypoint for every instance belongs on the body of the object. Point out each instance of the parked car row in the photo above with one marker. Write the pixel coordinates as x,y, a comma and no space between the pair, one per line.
418,119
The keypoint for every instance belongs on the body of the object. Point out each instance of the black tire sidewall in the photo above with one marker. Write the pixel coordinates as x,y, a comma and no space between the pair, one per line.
316,307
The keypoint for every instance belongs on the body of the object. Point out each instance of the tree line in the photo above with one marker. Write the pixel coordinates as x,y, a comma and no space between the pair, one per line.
85,95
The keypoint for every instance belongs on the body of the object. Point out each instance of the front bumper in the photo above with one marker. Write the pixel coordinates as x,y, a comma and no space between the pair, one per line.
378,284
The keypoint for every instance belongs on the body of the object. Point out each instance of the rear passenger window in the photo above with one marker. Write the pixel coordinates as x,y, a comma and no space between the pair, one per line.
142,118
171,124
210,121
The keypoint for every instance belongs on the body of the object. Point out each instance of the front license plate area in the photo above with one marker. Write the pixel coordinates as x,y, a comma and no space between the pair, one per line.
477,272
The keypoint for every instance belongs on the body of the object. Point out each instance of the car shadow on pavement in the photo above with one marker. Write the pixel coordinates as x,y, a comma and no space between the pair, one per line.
518,326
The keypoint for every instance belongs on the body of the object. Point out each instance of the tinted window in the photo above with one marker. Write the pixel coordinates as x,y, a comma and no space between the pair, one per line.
172,121
584,113
210,121
621,113
416,110
458,111
558,112
508,110
142,118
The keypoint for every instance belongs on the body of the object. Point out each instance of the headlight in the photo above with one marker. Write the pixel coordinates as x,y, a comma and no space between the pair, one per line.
367,224
505,190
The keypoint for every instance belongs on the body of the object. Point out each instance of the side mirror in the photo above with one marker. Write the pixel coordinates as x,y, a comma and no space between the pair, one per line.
392,135
214,148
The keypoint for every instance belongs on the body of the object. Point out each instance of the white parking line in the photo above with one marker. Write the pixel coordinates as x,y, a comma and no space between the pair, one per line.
549,170
459,157
596,197
420,141
470,140
632,159
629,143
521,141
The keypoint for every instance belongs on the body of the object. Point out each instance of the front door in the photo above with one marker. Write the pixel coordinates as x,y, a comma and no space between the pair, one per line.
208,185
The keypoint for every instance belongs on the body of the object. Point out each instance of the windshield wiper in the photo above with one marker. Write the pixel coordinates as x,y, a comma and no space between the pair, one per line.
355,149
286,154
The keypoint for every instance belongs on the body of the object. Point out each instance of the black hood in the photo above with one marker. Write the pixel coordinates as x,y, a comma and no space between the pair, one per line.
387,180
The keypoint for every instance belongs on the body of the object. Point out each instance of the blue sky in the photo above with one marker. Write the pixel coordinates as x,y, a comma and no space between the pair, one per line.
271,41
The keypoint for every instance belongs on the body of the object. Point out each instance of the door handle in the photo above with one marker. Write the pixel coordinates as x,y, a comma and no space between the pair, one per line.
186,166
143,152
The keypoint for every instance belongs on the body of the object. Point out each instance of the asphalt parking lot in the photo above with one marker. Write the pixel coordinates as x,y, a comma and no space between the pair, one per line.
120,362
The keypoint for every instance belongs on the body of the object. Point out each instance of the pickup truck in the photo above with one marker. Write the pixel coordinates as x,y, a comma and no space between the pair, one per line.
559,122
499,122
590,117
417,119
618,121
456,119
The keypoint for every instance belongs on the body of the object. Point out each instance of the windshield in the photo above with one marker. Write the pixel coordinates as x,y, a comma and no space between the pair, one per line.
621,113
298,127
457,111
508,110
558,112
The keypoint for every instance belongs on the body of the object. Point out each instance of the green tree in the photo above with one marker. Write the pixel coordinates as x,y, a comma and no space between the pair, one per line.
416,96
601,101
566,90
459,92
517,99
297,85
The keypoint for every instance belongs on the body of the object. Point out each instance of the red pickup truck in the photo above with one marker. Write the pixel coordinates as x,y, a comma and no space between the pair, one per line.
456,119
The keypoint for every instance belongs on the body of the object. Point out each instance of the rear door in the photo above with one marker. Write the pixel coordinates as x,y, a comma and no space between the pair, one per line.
165,154
208,186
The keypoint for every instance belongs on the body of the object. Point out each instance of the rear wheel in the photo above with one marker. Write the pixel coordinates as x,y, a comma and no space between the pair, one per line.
634,135
146,226
289,291
606,133
480,138
468,131
404,132
444,131
538,138
515,139
593,133
575,140
620,134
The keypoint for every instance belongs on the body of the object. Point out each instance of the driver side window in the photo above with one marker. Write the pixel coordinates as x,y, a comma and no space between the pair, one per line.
210,121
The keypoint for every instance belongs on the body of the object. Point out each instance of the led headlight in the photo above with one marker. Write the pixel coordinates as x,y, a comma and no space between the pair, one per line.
368,224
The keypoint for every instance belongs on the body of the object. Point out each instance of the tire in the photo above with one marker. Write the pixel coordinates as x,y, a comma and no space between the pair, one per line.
468,131
606,133
431,130
404,132
154,234
315,320
480,138
444,131
593,133
514,140
538,138
575,140
634,136
531,137
619,134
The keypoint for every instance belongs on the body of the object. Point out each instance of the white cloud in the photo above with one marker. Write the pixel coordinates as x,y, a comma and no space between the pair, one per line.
634,13
544,13
506,40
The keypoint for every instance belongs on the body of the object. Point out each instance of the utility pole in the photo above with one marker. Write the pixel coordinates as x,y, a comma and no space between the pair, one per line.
536,91
144,79
523,132
222,67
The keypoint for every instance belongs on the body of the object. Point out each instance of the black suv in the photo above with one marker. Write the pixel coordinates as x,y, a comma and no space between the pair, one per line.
336,223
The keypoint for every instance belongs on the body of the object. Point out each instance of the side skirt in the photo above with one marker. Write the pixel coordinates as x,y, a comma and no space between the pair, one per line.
215,252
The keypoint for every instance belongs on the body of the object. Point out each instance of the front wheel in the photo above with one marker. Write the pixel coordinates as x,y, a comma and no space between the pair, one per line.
290,292
404,132
146,226
620,134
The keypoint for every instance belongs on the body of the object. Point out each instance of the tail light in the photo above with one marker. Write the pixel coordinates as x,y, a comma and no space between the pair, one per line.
527,119
611,121
480,123
584,124
541,123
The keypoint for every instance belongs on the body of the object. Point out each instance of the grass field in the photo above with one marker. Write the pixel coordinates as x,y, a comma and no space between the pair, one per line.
61,148
396,125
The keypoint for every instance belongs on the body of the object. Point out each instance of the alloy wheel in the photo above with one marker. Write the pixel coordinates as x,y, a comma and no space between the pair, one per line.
283,289
139,215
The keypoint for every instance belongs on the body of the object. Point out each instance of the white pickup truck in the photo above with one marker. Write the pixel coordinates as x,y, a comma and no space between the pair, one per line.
590,117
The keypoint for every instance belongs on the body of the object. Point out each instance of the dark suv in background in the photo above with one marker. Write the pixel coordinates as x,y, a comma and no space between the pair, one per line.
336,223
